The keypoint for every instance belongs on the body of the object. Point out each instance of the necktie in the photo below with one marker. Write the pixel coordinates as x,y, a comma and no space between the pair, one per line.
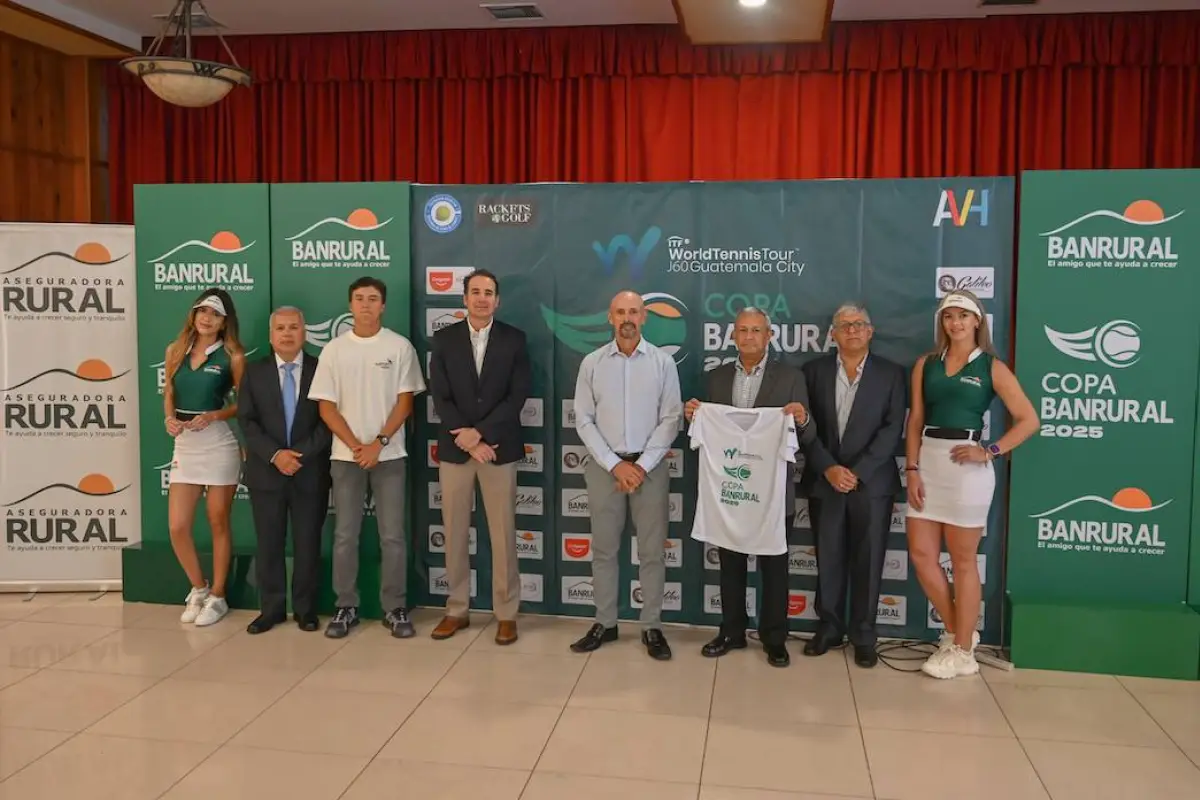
289,398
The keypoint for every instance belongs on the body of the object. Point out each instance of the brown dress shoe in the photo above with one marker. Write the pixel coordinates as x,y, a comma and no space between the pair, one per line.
450,626
506,632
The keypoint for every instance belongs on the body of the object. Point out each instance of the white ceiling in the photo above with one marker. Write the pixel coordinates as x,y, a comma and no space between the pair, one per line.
125,21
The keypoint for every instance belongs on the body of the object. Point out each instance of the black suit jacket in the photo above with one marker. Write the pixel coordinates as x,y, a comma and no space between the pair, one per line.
781,384
260,414
489,401
873,431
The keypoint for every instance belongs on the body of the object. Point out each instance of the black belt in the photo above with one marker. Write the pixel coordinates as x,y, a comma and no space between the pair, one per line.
630,457
953,433
185,416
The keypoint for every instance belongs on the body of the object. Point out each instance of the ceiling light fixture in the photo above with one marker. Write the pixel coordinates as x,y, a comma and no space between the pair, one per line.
178,78
753,3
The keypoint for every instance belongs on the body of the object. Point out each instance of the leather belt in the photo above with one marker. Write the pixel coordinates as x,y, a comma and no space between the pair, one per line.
630,457
953,433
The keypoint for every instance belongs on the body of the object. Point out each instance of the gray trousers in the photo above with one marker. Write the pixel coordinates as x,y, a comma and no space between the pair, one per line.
349,497
607,508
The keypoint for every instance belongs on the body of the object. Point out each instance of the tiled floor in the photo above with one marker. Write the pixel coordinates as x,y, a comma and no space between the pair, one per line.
101,699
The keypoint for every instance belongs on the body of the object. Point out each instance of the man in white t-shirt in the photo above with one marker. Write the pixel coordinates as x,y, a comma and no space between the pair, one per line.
365,383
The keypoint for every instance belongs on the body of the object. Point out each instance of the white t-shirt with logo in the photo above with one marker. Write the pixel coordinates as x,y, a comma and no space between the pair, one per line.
364,377
743,482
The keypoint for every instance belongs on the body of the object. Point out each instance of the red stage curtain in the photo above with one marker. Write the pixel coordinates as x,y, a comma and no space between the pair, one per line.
899,99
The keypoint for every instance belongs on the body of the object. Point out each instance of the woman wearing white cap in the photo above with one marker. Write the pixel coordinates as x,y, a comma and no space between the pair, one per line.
204,366
950,468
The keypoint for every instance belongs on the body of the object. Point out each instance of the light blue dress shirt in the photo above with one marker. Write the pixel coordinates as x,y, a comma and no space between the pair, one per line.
628,404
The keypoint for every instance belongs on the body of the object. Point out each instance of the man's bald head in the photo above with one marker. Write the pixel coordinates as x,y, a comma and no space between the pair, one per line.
626,313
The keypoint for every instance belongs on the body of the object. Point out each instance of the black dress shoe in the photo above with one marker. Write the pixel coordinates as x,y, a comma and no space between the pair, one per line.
656,644
307,622
262,624
820,643
596,636
722,645
865,656
777,655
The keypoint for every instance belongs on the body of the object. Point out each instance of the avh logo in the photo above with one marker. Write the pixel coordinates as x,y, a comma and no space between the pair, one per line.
637,253
959,211
1116,344
665,326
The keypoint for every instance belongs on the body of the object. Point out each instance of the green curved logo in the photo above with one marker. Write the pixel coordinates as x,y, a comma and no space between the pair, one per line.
741,472
666,326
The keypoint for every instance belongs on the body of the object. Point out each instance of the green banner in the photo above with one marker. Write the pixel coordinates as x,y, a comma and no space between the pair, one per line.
323,238
698,254
1101,496
190,238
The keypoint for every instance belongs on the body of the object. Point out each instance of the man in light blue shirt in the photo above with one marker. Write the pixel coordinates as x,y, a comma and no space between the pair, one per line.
627,412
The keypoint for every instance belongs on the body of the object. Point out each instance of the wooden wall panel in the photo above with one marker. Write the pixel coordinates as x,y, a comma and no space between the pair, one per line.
50,154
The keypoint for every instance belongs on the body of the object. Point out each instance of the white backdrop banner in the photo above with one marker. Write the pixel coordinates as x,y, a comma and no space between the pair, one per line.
69,488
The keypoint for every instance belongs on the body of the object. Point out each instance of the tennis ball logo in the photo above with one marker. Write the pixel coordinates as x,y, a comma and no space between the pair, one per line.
1119,344
740,472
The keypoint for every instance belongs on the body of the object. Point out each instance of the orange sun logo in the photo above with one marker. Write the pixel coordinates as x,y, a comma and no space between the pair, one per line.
92,253
1144,211
226,241
96,484
1131,499
362,218
94,370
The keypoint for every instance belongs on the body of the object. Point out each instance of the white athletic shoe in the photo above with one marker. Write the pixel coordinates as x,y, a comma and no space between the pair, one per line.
214,609
193,604
953,662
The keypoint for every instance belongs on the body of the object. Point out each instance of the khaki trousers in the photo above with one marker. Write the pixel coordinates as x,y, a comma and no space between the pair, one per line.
498,484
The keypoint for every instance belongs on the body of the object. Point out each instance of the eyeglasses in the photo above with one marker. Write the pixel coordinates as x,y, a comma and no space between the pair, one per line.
857,325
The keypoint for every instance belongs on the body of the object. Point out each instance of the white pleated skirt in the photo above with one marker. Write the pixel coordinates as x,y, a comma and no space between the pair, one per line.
211,457
955,494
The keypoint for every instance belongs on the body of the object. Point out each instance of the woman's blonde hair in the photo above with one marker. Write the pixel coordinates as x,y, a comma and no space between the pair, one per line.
183,342
983,336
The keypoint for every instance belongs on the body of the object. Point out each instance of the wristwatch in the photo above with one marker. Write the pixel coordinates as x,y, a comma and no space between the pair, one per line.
383,440
994,450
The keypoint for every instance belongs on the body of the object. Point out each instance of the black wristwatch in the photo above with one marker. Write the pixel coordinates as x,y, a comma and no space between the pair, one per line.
383,440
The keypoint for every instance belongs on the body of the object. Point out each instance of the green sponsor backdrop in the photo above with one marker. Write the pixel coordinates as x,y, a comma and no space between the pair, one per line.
323,238
1101,497
190,238
698,254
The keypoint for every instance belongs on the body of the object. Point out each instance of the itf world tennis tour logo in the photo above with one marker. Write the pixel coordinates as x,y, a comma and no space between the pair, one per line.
1111,239
60,286
339,243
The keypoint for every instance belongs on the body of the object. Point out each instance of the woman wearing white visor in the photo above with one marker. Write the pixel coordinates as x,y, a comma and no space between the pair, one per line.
950,471
204,367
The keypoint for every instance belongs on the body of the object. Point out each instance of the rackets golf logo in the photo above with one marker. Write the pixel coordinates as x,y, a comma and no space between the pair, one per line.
31,289
79,515
339,243
1102,525
665,325
1115,344
196,265
1130,240
67,402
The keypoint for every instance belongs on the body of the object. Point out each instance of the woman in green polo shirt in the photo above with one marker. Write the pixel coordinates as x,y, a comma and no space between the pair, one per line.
950,471
204,367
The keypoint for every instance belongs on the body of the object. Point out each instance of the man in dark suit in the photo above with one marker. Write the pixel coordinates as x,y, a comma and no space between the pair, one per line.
286,471
753,381
850,477
479,379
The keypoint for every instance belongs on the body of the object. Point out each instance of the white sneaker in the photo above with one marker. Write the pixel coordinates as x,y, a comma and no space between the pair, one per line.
214,609
947,640
953,662
193,604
